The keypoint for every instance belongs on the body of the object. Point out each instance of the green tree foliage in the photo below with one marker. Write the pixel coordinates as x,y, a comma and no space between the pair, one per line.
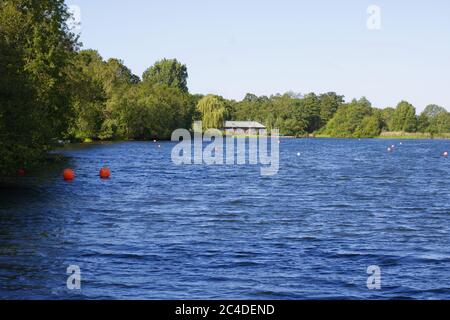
101,87
310,110
122,107
157,111
35,88
404,118
370,127
329,104
440,123
168,72
291,113
433,110
90,97
213,112
423,123
288,115
117,80
387,115
251,108
434,119
348,120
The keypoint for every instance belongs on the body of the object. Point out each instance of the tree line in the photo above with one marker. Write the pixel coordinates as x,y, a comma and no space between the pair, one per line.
323,115
52,90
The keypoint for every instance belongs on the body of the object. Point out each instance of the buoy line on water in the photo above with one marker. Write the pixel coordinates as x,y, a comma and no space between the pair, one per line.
69,174
105,173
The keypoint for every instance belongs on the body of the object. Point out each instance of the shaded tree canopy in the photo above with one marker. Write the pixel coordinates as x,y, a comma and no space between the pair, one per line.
36,50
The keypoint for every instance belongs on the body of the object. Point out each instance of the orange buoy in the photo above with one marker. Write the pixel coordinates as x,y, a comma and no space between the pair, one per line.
21,172
68,174
105,173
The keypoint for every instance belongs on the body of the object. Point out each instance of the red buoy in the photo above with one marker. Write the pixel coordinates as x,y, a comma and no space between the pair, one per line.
105,173
68,174
21,172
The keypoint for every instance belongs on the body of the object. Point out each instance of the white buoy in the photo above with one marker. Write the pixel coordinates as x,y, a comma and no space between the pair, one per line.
299,154
389,149
445,154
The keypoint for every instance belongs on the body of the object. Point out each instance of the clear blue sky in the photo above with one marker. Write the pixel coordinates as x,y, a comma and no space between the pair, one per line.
265,47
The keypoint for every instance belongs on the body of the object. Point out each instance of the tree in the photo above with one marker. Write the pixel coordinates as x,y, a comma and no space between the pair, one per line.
213,112
292,113
89,99
36,51
293,127
167,72
404,118
370,127
349,118
145,112
433,110
423,122
329,104
115,74
387,116
250,97
101,87
310,106
440,123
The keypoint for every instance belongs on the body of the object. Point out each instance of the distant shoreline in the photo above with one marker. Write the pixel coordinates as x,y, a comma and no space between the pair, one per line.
397,135
383,136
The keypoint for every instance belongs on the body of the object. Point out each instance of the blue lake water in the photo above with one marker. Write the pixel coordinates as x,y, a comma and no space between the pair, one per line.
160,231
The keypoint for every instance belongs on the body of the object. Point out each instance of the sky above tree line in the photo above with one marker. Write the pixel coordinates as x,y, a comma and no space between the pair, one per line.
267,47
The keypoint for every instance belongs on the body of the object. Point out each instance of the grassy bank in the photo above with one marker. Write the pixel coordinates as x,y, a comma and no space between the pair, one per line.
396,135
416,135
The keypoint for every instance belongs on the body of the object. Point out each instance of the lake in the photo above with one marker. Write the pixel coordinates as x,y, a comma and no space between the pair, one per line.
160,231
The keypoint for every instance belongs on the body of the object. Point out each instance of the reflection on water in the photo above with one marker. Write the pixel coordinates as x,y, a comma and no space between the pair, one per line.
159,231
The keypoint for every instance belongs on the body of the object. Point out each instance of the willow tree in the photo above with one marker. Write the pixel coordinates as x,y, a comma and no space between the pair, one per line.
213,112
